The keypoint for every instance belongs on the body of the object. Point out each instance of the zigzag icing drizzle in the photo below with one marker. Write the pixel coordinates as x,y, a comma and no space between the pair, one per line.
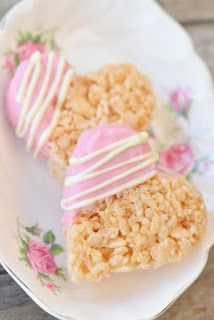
111,151
32,115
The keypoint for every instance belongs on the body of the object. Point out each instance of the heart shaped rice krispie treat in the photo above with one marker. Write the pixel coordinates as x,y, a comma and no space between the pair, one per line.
50,106
120,213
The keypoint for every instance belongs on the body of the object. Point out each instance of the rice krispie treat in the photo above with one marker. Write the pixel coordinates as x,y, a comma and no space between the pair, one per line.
120,214
115,93
35,98
50,106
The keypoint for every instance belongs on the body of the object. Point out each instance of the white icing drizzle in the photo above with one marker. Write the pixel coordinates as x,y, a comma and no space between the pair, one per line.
31,117
41,96
45,135
112,192
147,159
88,174
25,93
124,144
43,107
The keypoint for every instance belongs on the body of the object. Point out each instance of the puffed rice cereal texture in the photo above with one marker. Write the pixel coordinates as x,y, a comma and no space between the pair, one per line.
115,93
153,224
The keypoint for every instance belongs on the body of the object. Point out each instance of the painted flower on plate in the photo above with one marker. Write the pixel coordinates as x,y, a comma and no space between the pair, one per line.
180,99
50,285
40,258
203,166
26,49
26,43
38,250
9,63
177,158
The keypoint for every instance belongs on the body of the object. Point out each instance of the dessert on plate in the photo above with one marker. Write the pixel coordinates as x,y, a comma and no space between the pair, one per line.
49,105
120,212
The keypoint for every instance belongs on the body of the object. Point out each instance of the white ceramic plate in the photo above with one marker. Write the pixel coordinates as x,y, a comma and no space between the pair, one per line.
91,34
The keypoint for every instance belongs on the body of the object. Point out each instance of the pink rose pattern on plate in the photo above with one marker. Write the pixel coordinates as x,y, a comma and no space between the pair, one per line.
38,250
27,43
180,100
203,166
39,257
26,49
179,157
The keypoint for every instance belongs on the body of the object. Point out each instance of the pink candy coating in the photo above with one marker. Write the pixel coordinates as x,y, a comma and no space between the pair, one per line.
13,108
95,139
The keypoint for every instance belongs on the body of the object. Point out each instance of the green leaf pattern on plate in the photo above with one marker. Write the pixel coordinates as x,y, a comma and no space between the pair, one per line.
38,250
